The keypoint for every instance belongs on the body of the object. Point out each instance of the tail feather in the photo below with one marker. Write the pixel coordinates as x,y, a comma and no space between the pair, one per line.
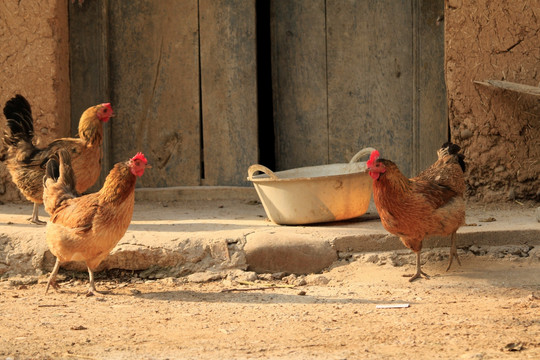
59,181
19,120
53,169
449,148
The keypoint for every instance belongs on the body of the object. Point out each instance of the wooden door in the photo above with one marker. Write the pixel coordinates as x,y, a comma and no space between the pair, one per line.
350,74
181,78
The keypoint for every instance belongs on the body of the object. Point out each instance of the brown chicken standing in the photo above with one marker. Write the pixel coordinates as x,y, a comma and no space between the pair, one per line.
26,162
430,204
88,227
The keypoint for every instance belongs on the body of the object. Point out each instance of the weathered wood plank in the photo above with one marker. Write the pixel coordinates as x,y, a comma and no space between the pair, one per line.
89,68
229,90
370,76
430,112
155,88
299,82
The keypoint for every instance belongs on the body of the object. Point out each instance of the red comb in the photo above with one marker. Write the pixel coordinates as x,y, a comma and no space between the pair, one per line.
106,115
372,158
140,156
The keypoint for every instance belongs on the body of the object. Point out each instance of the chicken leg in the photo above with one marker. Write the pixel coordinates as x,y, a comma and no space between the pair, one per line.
52,277
35,217
92,287
419,271
453,251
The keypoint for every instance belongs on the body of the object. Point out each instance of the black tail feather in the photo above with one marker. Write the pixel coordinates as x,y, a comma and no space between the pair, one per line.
19,120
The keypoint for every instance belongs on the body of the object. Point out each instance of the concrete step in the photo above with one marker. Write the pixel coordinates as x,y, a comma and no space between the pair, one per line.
182,237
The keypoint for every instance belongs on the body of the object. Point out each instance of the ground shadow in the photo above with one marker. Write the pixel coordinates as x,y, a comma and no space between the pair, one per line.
268,296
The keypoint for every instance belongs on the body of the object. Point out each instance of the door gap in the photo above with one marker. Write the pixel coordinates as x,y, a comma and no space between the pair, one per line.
265,107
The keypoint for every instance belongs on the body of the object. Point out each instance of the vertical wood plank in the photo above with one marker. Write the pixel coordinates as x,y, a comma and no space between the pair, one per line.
431,113
229,90
370,79
155,88
89,69
299,82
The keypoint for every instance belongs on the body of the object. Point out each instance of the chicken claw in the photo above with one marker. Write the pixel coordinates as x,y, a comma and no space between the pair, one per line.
418,275
419,272
92,292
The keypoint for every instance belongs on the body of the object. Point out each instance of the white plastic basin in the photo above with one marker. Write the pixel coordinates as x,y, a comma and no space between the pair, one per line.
314,194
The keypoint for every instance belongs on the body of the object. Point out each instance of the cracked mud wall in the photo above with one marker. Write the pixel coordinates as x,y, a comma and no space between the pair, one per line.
498,129
34,62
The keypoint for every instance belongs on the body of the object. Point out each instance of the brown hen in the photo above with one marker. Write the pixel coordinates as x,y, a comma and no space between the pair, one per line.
88,227
430,204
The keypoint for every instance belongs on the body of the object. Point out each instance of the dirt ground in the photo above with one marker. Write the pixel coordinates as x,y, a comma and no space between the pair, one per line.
489,308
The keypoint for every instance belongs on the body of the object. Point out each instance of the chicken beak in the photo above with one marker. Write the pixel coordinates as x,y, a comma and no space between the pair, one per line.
147,166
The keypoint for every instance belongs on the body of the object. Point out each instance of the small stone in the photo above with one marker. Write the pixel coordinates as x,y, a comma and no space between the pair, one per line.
302,293
373,258
511,194
476,250
517,346
466,133
289,279
160,275
534,253
317,280
169,281
202,277
266,277
278,275
19,281
240,275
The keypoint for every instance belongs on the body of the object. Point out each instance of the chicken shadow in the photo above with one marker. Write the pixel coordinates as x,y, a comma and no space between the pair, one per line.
258,297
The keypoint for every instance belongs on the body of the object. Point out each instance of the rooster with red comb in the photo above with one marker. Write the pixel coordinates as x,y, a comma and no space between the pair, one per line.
429,204
86,228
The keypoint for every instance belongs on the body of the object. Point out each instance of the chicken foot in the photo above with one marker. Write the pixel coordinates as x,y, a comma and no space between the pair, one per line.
35,217
52,278
92,288
419,271
453,251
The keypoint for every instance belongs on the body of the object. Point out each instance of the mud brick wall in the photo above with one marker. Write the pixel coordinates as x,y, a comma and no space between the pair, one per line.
498,129
34,45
